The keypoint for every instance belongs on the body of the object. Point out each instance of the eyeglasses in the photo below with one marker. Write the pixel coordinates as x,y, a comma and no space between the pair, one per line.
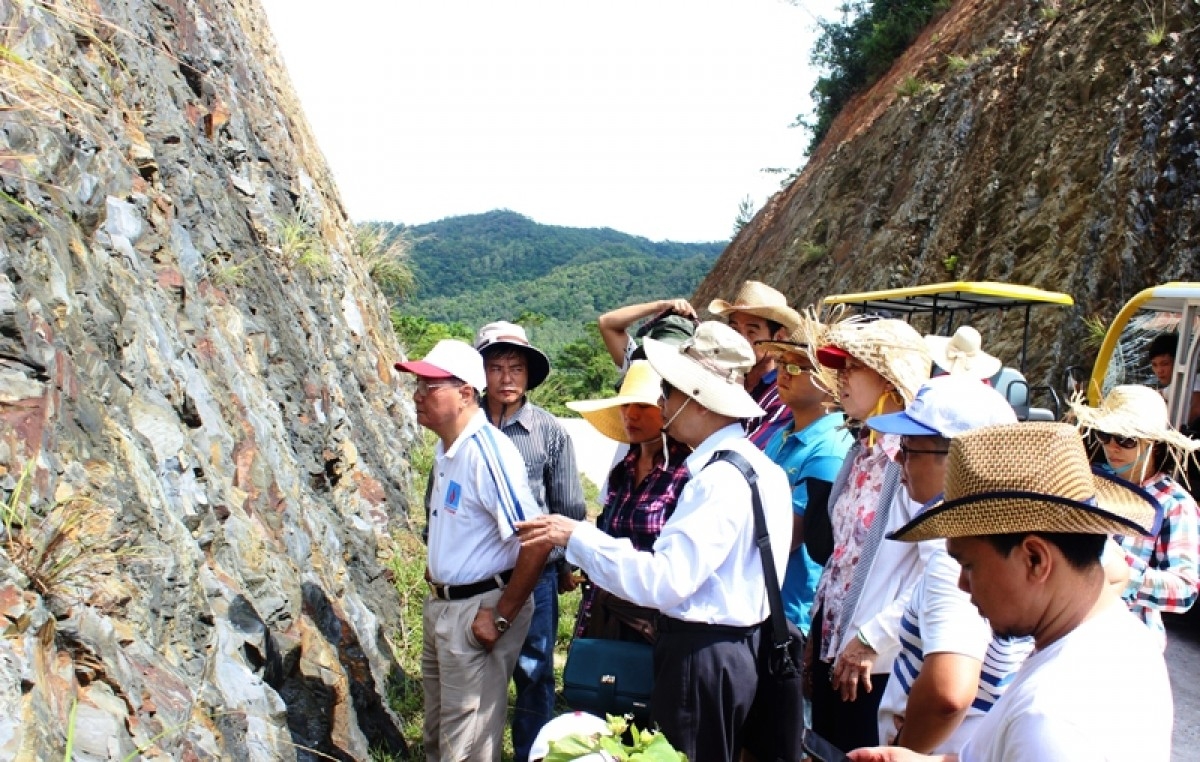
1125,443
424,387
910,451
792,369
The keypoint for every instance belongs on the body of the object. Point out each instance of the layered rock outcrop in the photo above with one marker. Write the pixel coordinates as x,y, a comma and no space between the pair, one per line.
1052,144
202,439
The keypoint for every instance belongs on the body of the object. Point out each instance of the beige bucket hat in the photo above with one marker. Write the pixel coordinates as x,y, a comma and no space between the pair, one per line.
710,368
641,386
759,299
962,354
1029,477
1138,412
892,348
505,334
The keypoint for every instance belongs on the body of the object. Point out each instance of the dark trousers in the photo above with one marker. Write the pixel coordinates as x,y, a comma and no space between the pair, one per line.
704,683
845,724
534,674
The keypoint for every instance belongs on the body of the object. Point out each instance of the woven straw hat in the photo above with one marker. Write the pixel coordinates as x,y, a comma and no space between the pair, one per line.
758,299
1134,411
892,348
808,329
641,386
1029,477
962,354
504,334
709,367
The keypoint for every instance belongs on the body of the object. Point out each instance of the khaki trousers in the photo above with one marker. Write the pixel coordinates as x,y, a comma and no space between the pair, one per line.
466,688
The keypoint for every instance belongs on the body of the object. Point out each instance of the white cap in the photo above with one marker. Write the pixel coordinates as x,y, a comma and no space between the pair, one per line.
450,358
947,406
574,723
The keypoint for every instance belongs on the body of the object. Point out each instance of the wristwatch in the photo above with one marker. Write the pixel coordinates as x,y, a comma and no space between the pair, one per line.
501,623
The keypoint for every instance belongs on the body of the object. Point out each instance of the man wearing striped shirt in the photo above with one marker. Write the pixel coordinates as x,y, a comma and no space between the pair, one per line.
514,367
480,578
950,669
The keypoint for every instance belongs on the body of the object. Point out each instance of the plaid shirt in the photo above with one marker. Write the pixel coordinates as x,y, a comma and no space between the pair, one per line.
638,511
1163,570
766,394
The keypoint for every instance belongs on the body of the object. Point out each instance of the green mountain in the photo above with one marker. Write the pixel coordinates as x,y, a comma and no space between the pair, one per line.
503,266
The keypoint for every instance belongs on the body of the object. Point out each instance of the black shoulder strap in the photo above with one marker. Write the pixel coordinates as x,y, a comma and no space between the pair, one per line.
762,540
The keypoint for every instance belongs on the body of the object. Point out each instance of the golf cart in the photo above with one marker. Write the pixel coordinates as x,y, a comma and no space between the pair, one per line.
940,308
1169,308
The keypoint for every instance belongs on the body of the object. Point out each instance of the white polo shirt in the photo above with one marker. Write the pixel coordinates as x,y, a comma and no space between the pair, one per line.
705,567
479,491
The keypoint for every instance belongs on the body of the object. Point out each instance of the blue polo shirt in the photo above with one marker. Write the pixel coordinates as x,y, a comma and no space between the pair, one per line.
816,452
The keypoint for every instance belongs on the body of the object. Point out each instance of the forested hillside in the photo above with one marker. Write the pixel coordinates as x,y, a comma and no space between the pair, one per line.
502,265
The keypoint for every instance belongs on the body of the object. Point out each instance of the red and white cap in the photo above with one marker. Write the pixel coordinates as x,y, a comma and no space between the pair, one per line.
450,358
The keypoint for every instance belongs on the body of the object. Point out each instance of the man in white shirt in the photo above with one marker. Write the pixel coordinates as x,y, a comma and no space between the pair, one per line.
950,669
705,574
478,610
1027,520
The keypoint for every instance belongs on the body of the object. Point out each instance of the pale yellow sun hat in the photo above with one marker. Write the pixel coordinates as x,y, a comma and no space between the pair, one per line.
641,386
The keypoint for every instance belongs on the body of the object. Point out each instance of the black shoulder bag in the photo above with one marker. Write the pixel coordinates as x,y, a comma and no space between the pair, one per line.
774,728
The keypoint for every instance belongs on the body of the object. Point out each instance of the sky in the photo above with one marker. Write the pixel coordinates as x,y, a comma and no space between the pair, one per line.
651,117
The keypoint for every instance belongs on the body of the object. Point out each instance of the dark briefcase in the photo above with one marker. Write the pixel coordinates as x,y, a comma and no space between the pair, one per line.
609,677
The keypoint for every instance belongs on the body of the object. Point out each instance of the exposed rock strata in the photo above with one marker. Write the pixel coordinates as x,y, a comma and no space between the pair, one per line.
215,406
1049,144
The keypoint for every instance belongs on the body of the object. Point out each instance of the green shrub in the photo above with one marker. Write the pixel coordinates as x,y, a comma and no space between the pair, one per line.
856,51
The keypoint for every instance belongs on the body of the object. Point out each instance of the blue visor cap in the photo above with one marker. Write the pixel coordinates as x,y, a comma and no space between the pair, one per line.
900,423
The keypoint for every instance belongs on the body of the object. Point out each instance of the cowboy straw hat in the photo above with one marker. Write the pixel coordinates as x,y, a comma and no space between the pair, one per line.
1134,411
759,299
962,354
1029,477
891,348
504,334
641,386
710,368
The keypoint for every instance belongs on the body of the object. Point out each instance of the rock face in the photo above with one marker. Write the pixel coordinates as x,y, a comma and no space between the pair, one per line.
202,440
1052,144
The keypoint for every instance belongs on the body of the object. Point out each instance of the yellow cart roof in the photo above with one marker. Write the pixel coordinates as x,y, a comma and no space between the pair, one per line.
953,297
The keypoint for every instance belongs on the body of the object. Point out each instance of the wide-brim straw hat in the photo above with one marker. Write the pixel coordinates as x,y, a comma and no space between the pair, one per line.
1029,477
1134,411
641,386
756,298
962,354
807,329
710,368
504,334
891,348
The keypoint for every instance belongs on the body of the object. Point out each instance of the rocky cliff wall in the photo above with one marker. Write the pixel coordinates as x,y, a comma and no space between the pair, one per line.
201,436
1053,144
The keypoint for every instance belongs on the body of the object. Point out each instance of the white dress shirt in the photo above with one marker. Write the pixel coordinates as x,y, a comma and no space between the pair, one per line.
704,566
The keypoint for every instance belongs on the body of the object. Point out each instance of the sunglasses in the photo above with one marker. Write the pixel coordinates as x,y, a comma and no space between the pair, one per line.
792,369
666,390
1125,443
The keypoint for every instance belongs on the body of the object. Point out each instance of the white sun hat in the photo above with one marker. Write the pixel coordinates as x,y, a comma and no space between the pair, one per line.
962,354
571,724
710,368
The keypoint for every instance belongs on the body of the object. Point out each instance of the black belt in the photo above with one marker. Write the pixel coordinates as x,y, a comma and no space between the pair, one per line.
670,624
459,592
